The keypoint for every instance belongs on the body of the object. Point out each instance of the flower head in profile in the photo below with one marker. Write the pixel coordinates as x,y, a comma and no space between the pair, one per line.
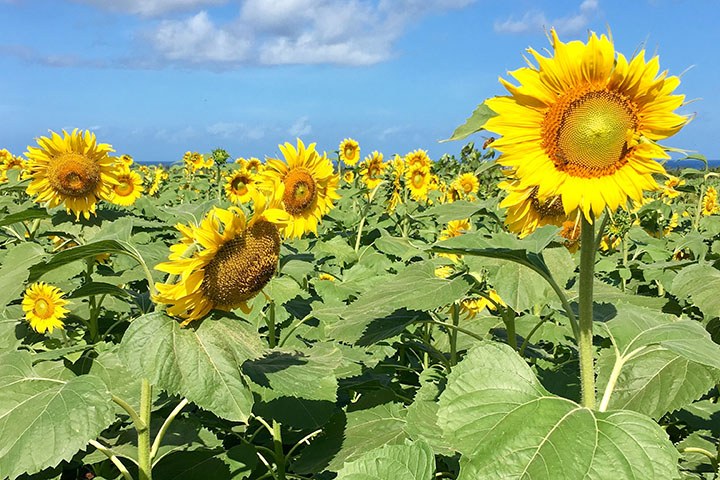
349,151
223,262
304,183
72,170
583,124
44,307
526,211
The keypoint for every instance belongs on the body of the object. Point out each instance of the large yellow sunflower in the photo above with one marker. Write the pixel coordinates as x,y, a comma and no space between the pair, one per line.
240,186
349,151
44,307
72,169
371,171
223,262
305,185
584,122
129,187
417,180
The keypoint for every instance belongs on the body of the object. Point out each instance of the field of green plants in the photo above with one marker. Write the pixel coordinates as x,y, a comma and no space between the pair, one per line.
330,315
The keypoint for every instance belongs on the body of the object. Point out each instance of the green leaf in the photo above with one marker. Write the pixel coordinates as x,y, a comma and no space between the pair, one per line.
415,288
421,417
29,214
14,270
446,212
415,461
78,253
98,288
495,412
474,124
237,463
44,420
700,284
201,362
664,363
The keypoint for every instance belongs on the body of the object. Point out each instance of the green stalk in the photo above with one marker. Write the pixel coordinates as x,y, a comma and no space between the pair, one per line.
270,321
144,447
452,333
279,455
585,320
94,310
508,318
696,220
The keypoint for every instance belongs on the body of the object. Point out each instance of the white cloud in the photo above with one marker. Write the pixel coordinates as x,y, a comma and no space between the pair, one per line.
536,20
198,39
236,130
147,8
272,32
300,127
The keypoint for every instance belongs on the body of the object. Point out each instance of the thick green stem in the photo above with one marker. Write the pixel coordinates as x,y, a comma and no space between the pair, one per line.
144,448
698,211
508,317
585,320
452,333
279,454
270,321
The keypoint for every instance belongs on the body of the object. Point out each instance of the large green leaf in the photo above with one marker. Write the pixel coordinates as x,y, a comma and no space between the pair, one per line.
506,425
701,284
199,362
660,363
32,213
415,461
416,288
45,419
14,270
473,124
422,413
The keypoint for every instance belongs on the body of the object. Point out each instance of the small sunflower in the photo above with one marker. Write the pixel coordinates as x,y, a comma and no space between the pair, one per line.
669,186
44,307
710,202
125,160
349,151
417,180
372,169
194,161
253,165
230,261
584,124
417,159
128,189
305,185
467,184
240,186
454,228
471,307
349,176
72,169
326,276
526,212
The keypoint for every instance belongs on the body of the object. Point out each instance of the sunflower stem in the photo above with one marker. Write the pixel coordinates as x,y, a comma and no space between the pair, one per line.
508,318
585,339
279,454
144,447
452,332
270,321
696,220
94,310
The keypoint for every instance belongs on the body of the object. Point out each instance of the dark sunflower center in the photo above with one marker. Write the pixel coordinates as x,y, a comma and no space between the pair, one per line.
300,192
586,135
349,152
73,175
239,185
242,266
552,207
42,308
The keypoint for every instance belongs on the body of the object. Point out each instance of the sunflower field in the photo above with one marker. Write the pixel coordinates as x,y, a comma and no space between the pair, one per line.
545,305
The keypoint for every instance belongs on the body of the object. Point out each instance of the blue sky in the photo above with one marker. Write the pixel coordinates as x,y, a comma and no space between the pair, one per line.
155,78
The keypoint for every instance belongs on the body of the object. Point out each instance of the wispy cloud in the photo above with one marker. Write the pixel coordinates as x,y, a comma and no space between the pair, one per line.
536,20
150,8
237,130
300,127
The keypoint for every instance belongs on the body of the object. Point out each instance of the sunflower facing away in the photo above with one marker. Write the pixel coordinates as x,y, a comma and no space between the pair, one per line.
72,169
305,185
583,124
349,151
526,212
223,262
44,307
240,186
129,187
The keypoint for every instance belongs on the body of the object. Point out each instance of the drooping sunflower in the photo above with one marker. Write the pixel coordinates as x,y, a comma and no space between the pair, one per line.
471,307
583,125
304,184
669,186
467,184
223,262
72,169
417,180
710,202
128,189
44,307
349,151
372,169
240,186
526,211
